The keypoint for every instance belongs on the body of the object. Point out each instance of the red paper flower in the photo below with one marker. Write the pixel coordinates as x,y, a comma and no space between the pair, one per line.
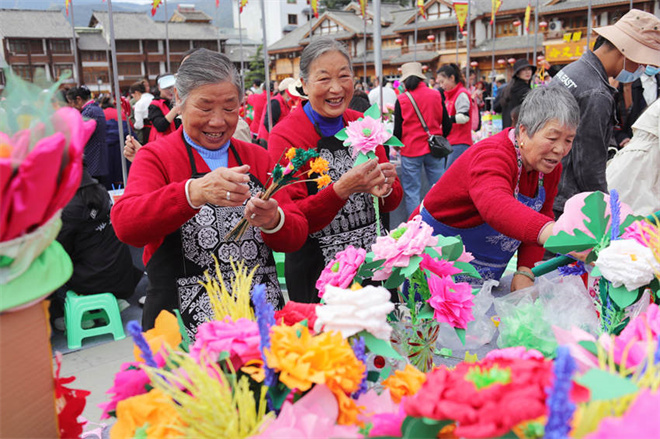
69,404
486,399
294,312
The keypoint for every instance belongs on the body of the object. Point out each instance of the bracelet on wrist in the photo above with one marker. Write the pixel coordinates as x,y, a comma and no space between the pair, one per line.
527,274
278,227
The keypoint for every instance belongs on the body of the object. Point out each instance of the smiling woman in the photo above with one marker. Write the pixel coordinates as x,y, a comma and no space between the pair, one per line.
187,190
498,195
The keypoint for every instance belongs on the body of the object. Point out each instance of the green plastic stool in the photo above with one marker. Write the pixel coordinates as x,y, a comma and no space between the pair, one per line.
279,265
78,309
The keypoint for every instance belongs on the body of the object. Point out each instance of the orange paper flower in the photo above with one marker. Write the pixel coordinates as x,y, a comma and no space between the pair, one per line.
319,166
404,382
323,181
164,332
290,153
153,408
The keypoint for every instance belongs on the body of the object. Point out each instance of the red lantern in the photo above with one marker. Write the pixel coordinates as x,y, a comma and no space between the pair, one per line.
511,61
425,68
501,62
474,64
540,57
517,23
543,24
398,41
398,69
431,37
464,33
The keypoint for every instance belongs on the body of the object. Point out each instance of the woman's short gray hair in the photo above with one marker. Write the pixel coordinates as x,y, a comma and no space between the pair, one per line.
318,47
543,104
204,67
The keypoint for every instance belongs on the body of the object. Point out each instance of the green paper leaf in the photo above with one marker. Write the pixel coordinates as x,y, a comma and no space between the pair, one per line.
594,208
467,269
185,340
278,395
373,112
426,312
452,247
394,141
604,385
395,279
589,346
564,243
628,221
412,267
5,260
373,264
509,435
622,297
378,346
432,252
361,158
422,427
461,334
595,272
342,135
223,356
141,432
373,376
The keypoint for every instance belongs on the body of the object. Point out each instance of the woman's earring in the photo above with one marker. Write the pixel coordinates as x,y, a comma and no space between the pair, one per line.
522,144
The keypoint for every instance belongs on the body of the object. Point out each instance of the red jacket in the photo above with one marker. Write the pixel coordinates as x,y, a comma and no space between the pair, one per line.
258,102
478,187
413,135
284,112
320,209
460,134
154,203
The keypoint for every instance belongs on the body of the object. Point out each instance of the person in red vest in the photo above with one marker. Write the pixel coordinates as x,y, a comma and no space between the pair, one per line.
281,105
163,111
458,105
257,103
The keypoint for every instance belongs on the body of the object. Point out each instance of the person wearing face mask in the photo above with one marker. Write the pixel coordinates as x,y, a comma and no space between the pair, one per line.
643,92
162,110
622,50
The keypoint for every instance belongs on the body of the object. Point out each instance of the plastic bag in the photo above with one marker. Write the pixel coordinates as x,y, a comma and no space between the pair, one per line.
527,316
479,331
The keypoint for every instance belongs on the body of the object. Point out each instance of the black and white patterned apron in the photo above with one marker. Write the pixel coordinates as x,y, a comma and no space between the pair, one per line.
179,263
354,224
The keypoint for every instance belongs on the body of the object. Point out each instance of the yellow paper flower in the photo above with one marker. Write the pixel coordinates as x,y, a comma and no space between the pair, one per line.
165,332
404,382
323,181
255,368
290,153
319,166
153,408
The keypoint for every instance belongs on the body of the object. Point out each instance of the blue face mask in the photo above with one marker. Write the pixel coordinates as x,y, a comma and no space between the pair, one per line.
625,76
652,71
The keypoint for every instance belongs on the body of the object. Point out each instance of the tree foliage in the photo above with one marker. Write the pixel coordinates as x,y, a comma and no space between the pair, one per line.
257,69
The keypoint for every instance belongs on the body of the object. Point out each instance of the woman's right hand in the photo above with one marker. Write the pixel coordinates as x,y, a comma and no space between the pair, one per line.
131,147
362,178
226,187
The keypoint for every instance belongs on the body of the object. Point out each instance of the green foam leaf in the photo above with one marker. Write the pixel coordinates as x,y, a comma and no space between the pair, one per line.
461,334
622,297
378,346
605,386
373,112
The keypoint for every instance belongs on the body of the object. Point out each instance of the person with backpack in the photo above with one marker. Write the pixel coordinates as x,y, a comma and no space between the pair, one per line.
460,108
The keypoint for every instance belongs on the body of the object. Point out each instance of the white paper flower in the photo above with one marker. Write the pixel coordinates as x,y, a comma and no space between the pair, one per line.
350,312
627,262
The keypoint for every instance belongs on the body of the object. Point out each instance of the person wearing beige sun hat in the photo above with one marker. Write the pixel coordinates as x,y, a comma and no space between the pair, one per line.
621,51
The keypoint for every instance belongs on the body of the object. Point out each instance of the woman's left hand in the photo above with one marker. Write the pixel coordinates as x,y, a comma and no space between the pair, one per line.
521,281
389,172
262,213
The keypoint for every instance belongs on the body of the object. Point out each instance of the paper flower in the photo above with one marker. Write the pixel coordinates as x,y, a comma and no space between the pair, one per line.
375,404
451,301
69,403
342,269
516,352
164,333
130,381
350,312
640,231
409,239
439,267
365,134
627,262
240,339
404,382
645,325
153,410
640,420
314,416
294,312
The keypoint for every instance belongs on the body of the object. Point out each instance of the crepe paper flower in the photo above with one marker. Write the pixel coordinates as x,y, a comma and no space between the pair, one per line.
615,206
290,153
265,319
303,360
365,134
451,301
314,416
323,181
350,312
295,312
153,410
584,359
627,263
374,403
240,339
69,403
404,382
516,352
165,332
466,256
486,399
388,424
439,267
318,166
560,407
645,327
640,231
574,269
255,368
359,350
640,420
130,381
342,269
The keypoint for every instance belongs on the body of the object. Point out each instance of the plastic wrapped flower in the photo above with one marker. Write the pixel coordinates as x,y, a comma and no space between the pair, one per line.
240,339
350,312
627,262
452,302
342,269
404,382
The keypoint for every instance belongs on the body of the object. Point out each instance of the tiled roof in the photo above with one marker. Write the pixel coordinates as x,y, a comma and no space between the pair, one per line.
422,56
34,24
292,39
130,25
91,41
507,44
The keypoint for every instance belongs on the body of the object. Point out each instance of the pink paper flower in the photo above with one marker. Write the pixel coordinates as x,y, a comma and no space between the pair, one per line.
130,381
465,256
638,230
342,269
313,416
240,339
385,415
634,338
365,134
451,301
439,267
388,424
640,420
515,353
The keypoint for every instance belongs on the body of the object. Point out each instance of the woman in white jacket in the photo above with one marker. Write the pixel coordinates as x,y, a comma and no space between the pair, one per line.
635,170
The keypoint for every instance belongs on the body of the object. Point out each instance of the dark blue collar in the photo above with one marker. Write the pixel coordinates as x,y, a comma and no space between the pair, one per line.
328,126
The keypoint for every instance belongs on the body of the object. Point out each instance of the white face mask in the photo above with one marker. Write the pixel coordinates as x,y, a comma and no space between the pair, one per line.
625,76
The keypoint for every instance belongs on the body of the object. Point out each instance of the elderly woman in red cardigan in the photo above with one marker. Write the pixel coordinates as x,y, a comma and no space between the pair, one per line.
498,195
187,190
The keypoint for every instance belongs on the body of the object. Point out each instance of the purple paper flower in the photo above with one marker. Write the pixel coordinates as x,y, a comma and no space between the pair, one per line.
135,331
560,407
359,349
265,319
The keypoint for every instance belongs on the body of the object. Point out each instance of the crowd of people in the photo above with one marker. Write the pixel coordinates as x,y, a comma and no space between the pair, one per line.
202,149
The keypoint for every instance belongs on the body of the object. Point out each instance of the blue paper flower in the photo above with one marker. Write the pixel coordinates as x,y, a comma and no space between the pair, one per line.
615,208
560,407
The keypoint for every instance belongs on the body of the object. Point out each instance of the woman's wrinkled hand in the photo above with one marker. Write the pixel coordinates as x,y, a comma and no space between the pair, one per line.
362,178
131,147
389,172
225,187
262,213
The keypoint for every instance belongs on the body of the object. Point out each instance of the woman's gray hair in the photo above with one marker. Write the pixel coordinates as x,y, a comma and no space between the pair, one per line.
204,67
318,47
543,104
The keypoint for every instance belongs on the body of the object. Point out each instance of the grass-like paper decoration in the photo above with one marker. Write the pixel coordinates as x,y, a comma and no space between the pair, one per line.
234,304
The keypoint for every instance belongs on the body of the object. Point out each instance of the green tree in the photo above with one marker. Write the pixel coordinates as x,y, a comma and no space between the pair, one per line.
334,4
257,69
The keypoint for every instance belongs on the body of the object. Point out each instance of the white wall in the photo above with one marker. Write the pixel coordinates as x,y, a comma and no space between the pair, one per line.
277,12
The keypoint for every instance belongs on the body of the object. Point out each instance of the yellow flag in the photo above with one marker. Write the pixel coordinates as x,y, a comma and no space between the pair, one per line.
154,6
495,6
363,7
315,7
241,5
461,9
66,3
528,13
420,5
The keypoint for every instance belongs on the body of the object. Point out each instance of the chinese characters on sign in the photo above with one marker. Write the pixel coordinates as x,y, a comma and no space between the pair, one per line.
572,48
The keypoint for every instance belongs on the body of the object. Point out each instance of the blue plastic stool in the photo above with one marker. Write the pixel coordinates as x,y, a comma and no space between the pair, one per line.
78,309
